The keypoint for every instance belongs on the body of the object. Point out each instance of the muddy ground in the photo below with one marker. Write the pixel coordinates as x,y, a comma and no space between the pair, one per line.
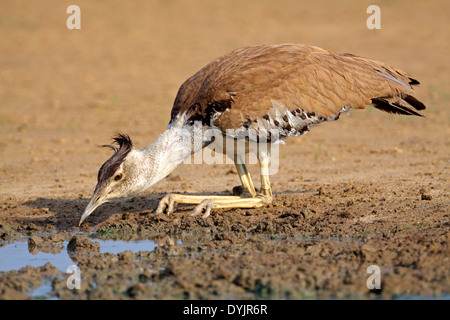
369,189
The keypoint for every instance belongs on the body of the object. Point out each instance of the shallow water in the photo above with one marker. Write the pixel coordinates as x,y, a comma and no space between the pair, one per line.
16,255
19,254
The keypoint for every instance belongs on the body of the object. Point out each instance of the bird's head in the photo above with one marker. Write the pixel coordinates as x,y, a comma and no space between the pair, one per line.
118,177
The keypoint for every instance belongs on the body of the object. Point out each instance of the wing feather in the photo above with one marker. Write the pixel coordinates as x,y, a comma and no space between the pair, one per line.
309,78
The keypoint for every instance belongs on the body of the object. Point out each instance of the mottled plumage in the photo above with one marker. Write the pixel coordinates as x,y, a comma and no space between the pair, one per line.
242,88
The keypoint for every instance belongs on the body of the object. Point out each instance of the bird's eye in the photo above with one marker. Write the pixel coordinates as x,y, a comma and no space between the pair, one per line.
118,177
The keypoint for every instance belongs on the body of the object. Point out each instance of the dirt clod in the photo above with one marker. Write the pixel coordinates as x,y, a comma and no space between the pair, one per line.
80,243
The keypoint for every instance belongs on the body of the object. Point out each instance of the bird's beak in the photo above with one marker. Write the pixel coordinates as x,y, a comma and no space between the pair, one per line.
97,199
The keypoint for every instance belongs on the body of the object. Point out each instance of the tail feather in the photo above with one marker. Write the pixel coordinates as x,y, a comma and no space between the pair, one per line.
414,102
413,82
406,104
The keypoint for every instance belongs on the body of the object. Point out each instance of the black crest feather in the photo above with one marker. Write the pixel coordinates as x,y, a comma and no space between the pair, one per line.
124,141
111,165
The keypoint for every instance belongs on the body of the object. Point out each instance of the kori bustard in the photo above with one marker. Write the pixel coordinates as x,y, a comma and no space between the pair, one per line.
259,95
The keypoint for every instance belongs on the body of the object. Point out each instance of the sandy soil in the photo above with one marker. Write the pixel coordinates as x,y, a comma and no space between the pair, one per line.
369,189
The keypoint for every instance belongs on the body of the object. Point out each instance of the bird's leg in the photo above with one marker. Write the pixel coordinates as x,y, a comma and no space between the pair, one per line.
264,159
262,198
206,203
244,175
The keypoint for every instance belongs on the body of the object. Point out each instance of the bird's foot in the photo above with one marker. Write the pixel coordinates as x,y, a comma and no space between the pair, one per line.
205,205
166,205
265,195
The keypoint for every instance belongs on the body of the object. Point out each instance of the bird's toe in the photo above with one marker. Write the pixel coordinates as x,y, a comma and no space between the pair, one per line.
206,206
265,197
166,205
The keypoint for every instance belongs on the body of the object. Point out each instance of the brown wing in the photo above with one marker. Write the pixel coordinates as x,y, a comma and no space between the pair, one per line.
245,85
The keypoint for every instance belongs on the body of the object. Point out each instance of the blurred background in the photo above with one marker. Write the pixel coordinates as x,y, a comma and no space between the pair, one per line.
64,92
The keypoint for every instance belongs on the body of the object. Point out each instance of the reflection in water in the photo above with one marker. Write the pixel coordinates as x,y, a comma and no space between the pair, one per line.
19,254
32,252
